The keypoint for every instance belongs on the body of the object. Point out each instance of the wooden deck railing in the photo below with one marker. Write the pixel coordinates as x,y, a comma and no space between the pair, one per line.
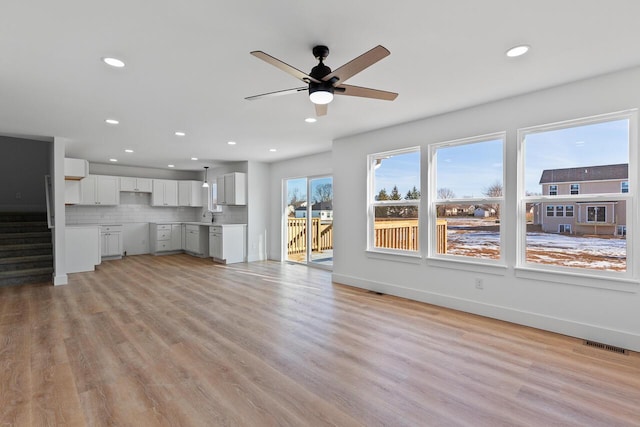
321,237
392,234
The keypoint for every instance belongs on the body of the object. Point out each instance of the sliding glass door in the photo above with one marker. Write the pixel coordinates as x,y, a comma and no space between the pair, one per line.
309,220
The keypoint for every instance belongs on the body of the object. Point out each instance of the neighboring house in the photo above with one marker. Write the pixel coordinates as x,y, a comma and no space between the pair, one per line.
322,210
481,213
602,217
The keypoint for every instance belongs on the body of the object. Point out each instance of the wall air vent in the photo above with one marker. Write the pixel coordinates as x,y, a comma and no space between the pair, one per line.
606,347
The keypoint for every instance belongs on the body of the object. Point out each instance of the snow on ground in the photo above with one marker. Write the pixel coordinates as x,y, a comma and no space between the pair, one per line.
481,239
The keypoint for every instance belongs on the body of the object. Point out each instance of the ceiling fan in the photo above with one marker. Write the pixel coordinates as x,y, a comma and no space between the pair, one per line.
322,83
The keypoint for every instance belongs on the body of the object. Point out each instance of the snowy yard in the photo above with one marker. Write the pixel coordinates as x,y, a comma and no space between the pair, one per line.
480,238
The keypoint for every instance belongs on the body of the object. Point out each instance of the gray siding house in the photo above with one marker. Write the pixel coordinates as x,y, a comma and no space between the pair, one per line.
602,217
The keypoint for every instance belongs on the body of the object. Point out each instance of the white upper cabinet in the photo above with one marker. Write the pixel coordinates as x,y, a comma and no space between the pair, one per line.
138,185
100,190
231,189
190,193
165,193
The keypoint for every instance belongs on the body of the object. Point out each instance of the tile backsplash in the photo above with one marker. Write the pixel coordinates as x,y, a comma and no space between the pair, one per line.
133,207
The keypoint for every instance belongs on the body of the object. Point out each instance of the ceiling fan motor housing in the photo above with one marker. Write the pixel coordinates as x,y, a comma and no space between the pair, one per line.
322,87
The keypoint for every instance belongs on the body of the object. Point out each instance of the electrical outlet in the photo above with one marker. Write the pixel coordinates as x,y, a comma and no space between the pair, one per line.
479,283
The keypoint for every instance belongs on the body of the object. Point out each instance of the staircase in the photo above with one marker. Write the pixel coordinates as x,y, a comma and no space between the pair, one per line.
26,252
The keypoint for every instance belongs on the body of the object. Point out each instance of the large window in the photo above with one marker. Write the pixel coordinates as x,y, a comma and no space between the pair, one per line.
467,198
578,194
394,200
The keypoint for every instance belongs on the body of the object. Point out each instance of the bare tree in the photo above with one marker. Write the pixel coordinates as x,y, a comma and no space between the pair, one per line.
324,193
446,193
294,196
443,194
494,190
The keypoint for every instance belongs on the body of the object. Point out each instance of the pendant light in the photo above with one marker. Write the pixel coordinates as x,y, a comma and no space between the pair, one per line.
205,184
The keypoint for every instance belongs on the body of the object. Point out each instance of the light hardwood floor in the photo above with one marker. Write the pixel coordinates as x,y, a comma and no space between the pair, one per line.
177,340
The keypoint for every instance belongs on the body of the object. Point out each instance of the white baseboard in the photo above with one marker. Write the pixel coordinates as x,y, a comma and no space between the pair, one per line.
568,327
60,279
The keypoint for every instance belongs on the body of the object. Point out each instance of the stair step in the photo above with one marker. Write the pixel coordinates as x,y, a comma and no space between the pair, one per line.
32,275
23,216
18,250
26,262
23,226
27,237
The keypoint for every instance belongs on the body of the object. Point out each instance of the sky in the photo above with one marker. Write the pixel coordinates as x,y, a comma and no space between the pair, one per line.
299,185
468,170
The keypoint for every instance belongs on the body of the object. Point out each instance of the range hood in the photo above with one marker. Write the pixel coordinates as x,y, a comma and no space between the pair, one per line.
75,169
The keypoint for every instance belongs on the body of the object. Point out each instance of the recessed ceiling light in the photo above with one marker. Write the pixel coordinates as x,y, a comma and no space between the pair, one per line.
114,62
180,133
112,121
171,166
310,120
273,150
231,143
194,158
113,160
517,51
128,151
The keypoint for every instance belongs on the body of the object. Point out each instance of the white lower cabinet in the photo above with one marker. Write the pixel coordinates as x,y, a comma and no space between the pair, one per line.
176,237
227,243
196,241
163,239
111,241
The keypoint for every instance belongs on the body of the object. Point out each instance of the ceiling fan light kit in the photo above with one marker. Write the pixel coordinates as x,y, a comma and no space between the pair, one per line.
322,83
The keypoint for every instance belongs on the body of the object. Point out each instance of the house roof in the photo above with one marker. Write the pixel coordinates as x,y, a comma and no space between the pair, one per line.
585,173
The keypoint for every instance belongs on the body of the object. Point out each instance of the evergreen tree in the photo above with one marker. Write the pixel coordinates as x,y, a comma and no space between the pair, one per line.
382,211
412,211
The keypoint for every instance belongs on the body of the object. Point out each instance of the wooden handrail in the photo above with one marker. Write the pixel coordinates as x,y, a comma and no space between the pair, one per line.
391,234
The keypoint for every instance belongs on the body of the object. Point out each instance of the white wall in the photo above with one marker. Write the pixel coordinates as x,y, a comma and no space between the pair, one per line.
598,314
317,164
258,215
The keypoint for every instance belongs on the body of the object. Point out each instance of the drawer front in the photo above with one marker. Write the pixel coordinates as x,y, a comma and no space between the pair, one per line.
164,235
164,227
110,228
191,227
164,245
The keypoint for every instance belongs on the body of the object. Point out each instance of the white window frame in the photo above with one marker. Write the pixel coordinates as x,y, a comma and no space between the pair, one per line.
576,276
568,208
597,207
550,211
560,210
433,201
565,227
372,203
571,189
622,187
553,189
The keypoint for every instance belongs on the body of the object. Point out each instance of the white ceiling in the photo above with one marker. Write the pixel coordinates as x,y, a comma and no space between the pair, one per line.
189,69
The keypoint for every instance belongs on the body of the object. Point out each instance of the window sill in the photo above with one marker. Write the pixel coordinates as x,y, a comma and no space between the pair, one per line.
619,284
405,256
468,265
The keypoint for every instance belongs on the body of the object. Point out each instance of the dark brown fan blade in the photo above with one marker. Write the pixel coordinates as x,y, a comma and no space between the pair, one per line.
360,63
321,109
365,92
277,93
284,66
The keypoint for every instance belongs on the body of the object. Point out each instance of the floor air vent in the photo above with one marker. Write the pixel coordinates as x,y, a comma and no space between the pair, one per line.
606,347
